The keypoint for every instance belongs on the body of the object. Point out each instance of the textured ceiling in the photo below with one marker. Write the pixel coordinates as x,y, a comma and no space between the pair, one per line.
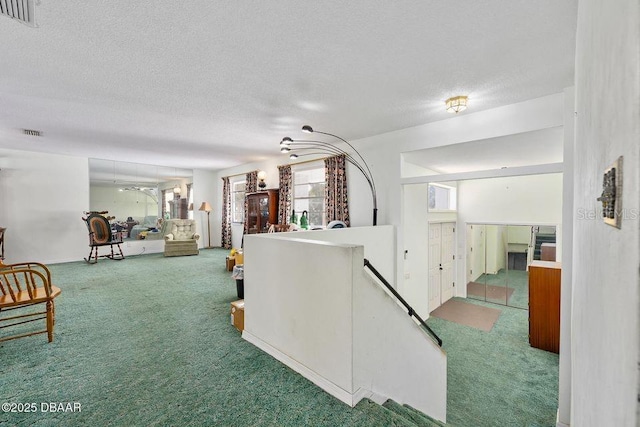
213,84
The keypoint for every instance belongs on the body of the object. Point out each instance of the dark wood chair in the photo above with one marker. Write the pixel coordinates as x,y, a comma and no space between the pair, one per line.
100,234
23,286
2,230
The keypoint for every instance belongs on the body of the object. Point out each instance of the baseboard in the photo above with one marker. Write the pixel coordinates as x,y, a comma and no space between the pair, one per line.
558,423
374,397
339,393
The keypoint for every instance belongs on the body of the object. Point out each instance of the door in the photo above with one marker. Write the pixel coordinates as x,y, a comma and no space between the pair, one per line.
447,256
435,242
441,267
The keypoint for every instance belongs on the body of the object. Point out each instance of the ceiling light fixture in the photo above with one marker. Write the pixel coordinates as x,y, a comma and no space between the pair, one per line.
314,147
456,104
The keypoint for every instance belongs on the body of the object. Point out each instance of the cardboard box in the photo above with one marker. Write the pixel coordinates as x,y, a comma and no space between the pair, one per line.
237,314
231,261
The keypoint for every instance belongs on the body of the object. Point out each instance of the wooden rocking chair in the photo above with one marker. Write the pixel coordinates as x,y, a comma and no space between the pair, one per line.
22,286
100,235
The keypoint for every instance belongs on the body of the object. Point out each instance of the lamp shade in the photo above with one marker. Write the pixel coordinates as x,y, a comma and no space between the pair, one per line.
262,175
205,206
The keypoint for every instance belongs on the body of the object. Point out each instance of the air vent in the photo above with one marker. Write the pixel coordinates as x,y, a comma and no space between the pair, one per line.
31,132
22,10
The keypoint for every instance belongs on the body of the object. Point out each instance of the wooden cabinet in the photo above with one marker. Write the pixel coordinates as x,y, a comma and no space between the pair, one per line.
544,305
179,209
262,210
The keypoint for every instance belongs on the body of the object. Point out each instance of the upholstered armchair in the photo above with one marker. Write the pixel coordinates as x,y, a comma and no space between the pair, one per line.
181,237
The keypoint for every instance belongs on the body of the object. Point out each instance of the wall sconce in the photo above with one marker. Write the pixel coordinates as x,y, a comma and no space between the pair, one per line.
262,175
456,104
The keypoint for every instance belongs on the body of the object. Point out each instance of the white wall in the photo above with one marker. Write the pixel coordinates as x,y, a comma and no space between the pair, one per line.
415,264
495,255
564,387
42,197
205,189
606,284
42,200
519,200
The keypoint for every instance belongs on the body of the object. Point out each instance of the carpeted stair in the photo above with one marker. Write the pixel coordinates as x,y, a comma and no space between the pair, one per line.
412,416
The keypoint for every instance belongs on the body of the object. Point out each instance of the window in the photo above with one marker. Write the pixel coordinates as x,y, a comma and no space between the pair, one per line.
308,193
190,200
442,197
237,201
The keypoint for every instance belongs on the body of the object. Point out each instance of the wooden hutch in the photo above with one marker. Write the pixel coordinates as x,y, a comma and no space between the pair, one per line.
262,210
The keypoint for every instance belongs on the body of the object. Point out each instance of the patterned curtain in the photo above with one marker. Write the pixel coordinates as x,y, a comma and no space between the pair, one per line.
226,213
164,203
335,193
284,200
250,187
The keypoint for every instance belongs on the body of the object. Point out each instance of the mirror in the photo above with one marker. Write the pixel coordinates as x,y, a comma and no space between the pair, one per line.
476,255
498,259
138,195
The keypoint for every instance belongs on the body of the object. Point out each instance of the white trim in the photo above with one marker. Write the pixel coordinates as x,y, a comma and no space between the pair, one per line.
558,423
492,173
350,399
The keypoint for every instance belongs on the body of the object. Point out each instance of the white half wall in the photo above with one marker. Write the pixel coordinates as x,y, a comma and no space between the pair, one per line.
298,299
379,244
311,305
605,329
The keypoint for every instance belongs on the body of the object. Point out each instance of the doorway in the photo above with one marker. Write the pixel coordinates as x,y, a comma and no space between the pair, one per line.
441,263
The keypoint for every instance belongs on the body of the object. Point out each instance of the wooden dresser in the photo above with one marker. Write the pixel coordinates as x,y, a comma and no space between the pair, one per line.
544,305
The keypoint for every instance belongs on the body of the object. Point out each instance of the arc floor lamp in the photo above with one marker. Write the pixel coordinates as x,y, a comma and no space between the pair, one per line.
304,147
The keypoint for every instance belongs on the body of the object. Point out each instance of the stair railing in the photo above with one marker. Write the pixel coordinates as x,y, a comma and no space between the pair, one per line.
410,311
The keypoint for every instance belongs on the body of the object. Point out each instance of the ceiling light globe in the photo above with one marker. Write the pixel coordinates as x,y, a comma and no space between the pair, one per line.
456,104
307,129
285,149
293,156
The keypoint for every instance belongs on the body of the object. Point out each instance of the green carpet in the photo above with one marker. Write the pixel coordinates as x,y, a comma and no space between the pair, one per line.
495,378
518,280
147,341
